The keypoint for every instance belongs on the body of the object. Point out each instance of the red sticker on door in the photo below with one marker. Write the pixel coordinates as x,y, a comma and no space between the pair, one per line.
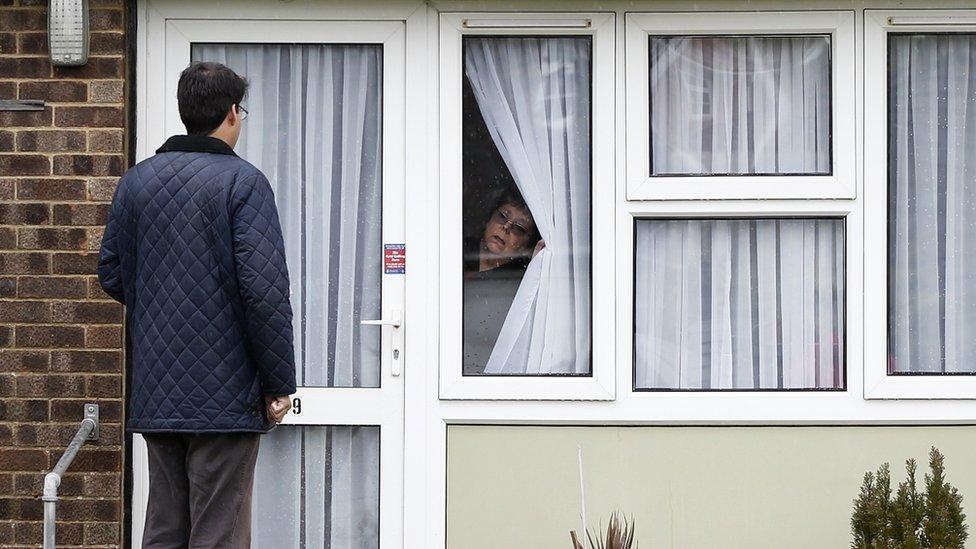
394,258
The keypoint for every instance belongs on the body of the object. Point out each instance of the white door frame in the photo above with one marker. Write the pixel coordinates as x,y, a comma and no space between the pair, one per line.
165,31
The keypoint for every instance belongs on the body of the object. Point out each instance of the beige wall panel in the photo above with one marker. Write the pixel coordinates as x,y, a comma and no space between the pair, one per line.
687,487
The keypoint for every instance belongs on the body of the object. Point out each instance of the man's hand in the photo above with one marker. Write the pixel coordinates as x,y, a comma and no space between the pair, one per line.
278,406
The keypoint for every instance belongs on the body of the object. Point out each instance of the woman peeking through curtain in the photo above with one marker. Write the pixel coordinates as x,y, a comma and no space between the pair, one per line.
526,188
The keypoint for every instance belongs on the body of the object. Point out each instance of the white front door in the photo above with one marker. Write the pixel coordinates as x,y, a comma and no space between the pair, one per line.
326,125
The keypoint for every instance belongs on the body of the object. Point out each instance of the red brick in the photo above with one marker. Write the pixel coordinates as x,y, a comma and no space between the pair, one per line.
8,386
89,509
74,263
101,362
87,312
21,509
6,435
102,533
24,410
8,286
29,238
7,187
20,213
110,141
81,214
12,459
25,263
24,164
6,141
23,20
65,287
8,238
106,91
55,91
51,337
97,67
84,164
8,43
105,20
8,90
48,385
67,533
104,387
51,141
102,189
32,43
94,117
109,411
9,119
51,189
25,311
95,290
6,336
95,238
6,487
24,361
107,43
25,67
104,337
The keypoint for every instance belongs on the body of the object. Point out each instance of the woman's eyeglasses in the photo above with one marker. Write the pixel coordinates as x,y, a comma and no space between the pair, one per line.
242,111
503,219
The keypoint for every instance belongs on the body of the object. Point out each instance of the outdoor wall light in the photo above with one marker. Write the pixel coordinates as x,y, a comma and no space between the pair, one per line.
67,32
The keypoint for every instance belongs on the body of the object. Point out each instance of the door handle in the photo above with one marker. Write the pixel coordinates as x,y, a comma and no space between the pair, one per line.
396,339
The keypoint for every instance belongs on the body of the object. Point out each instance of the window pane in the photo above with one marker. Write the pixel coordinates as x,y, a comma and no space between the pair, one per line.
526,206
740,105
932,203
314,128
317,487
739,304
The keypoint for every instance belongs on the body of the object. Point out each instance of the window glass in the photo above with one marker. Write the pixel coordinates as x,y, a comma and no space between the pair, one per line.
317,486
931,203
526,205
740,105
315,129
739,304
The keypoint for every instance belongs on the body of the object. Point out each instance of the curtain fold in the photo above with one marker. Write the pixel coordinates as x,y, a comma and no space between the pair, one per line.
739,304
740,105
534,95
314,129
932,203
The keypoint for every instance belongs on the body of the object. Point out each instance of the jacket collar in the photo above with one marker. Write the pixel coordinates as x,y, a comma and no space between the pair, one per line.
196,143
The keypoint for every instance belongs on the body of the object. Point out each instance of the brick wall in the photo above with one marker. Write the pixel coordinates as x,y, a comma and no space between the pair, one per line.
60,336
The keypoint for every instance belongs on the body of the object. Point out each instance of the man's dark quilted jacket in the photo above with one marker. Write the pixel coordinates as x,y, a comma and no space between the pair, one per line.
193,248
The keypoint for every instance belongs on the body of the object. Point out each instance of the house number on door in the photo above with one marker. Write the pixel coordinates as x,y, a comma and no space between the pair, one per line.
296,406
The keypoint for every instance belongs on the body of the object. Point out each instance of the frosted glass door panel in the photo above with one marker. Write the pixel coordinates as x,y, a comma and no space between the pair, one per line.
315,129
317,487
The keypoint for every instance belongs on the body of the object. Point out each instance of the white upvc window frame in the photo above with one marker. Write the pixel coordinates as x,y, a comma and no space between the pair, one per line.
878,383
840,183
599,385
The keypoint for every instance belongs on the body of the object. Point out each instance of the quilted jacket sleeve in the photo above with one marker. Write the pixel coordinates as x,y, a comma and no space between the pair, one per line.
109,268
259,256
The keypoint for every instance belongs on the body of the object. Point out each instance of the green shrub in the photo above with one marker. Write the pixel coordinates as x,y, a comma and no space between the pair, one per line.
911,520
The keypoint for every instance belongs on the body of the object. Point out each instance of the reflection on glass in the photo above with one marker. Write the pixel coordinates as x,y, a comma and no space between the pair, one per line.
739,304
314,129
317,487
526,206
740,105
931,203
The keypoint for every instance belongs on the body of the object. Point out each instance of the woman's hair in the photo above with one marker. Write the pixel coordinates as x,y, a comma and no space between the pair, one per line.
511,195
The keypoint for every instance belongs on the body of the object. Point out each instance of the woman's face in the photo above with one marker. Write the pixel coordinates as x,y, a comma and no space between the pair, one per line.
508,230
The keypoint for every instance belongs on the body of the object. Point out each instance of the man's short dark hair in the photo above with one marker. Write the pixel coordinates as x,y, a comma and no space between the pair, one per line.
205,93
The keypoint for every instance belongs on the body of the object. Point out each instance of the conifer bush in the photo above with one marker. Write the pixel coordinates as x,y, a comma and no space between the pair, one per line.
932,519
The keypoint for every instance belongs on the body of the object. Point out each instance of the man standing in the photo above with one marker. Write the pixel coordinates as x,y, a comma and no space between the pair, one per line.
193,248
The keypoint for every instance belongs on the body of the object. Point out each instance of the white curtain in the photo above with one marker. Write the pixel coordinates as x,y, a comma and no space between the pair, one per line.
932,203
740,105
314,129
739,304
534,94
